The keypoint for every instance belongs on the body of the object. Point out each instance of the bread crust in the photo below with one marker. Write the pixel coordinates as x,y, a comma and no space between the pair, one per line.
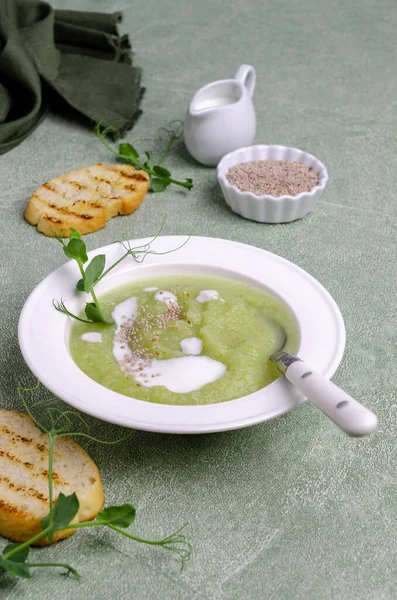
24,478
85,199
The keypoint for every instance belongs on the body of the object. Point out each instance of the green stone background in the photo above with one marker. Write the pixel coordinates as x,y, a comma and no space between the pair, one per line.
291,509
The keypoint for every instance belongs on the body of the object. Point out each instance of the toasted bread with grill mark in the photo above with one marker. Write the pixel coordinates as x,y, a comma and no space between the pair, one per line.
86,199
24,478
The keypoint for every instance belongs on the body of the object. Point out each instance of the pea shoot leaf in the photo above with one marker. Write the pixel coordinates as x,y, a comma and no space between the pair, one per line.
159,185
65,509
74,234
128,151
15,567
161,172
76,249
19,556
94,314
120,516
80,285
94,271
149,163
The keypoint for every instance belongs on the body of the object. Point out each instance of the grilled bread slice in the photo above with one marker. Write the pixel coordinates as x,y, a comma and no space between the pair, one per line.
24,478
86,199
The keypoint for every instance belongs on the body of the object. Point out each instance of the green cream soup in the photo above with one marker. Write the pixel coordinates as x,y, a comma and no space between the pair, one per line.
184,340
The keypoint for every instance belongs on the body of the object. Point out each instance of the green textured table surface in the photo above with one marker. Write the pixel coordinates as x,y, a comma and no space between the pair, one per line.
292,509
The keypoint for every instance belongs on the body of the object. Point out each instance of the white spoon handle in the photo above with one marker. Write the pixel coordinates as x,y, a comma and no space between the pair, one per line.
347,413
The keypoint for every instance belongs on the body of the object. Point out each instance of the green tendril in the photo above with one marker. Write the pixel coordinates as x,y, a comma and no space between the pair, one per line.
64,509
93,271
160,178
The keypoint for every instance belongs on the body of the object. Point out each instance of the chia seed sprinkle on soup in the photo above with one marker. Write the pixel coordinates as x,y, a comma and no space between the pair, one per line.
273,177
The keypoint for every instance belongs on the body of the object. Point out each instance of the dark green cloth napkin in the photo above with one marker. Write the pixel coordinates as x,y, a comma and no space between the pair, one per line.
51,57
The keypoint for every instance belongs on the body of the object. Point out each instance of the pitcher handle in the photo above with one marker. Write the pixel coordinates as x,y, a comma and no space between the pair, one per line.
246,75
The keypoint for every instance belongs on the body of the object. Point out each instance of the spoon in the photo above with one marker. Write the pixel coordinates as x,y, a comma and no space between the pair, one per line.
351,416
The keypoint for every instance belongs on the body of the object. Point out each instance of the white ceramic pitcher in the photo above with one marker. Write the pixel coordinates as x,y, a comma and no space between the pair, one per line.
221,117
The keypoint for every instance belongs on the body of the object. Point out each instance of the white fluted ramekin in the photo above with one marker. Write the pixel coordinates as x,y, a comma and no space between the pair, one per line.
266,208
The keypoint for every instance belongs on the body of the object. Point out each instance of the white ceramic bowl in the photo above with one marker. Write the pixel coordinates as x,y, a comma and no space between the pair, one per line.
44,333
266,208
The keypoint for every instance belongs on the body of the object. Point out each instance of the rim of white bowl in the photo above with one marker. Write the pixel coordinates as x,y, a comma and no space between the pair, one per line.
43,334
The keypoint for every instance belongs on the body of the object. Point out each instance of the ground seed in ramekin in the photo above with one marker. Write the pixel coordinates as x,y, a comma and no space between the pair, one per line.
273,177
